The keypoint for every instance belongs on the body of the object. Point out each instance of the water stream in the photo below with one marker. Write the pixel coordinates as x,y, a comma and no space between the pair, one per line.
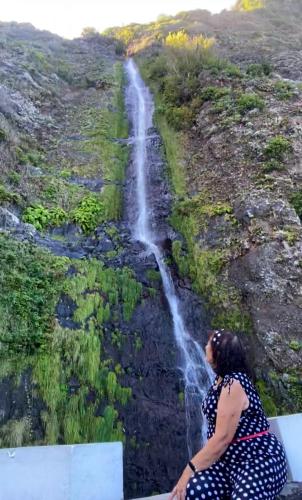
196,372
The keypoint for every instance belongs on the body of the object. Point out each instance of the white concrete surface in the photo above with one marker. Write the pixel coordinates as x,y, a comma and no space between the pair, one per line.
288,429
75,472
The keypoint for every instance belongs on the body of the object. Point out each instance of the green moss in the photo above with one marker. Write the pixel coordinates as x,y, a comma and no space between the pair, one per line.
268,403
30,284
295,345
181,398
172,147
114,286
137,342
153,275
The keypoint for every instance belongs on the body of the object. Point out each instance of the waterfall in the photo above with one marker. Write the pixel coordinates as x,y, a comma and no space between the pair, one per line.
197,374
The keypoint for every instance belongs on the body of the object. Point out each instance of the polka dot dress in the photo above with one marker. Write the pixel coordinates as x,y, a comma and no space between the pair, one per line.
253,469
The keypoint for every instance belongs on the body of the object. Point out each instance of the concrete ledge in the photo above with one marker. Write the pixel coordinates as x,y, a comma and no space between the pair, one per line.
156,497
75,472
288,429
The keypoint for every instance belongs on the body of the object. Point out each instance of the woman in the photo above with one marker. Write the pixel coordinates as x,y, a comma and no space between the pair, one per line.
241,460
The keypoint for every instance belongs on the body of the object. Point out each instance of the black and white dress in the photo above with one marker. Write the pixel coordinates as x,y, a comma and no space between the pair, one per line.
251,469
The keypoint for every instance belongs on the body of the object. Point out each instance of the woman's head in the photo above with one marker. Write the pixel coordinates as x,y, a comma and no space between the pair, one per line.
225,353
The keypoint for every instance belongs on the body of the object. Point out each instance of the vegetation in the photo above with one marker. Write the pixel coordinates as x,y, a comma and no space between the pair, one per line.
284,90
70,371
90,213
56,199
296,201
42,217
276,148
3,135
249,5
175,75
31,282
259,70
7,196
246,102
268,403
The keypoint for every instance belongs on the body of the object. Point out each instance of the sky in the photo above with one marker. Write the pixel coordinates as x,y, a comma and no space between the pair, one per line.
68,17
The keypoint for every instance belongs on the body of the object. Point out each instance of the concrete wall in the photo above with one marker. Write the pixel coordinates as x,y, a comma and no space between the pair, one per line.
78,472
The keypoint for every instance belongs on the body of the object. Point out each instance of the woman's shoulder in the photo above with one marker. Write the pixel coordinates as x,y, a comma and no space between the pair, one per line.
240,377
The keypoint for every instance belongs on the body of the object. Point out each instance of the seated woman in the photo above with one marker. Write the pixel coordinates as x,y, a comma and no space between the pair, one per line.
241,459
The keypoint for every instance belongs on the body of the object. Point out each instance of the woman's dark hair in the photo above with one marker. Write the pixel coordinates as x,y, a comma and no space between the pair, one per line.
228,353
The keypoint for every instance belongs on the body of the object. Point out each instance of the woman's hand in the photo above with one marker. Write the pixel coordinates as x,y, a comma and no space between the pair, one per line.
179,491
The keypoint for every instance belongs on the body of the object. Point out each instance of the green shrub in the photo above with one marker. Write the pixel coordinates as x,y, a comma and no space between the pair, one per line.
263,69
180,118
277,147
7,196
89,214
14,178
35,157
284,90
272,165
41,217
223,104
214,93
296,201
246,102
232,70
295,345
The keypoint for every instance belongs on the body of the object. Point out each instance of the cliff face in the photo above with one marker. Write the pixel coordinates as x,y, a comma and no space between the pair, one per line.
83,356
229,99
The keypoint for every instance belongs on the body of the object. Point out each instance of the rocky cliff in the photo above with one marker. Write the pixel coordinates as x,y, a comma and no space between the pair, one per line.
84,357
228,108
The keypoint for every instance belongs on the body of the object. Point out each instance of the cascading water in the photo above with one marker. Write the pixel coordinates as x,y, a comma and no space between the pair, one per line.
196,372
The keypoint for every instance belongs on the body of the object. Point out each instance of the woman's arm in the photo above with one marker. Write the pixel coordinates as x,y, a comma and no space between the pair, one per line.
232,401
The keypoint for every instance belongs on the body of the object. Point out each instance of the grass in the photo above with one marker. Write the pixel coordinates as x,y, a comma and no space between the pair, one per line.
71,374
31,281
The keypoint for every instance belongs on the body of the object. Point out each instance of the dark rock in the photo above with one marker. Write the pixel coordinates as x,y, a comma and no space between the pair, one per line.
8,220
